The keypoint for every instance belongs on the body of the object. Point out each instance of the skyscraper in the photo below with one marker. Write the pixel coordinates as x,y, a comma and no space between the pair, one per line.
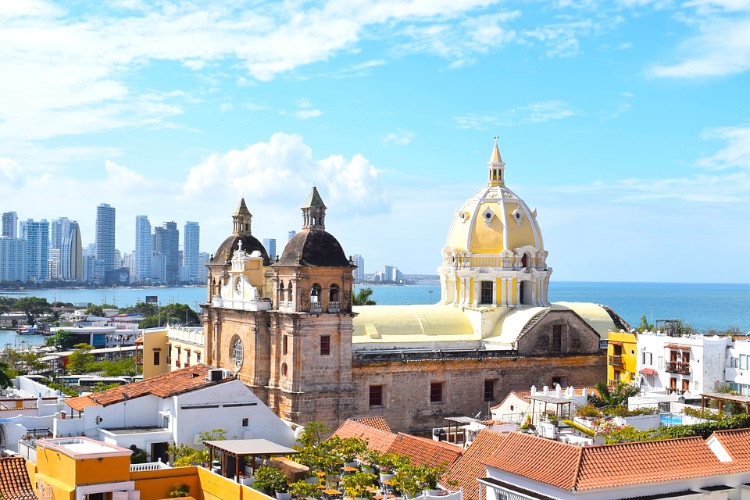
191,248
142,249
10,225
105,236
291,234
270,245
71,254
166,242
359,273
58,230
36,235
12,259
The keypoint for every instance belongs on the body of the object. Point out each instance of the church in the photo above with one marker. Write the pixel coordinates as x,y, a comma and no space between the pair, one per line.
288,329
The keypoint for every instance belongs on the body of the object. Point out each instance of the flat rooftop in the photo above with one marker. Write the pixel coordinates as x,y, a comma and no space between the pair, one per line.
80,448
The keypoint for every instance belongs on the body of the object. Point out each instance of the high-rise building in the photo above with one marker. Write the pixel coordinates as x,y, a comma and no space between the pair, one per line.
36,234
166,242
58,230
203,259
12,259
105,235
71,254
55,269
270,245
10,225
359,273
191,248
142,258
291,235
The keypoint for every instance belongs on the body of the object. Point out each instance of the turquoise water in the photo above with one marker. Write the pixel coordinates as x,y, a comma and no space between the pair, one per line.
704,306
669,419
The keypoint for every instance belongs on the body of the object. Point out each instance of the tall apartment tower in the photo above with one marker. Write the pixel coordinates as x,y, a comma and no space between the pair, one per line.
359,273
12,259
166,252
105,236
191,248
291,235
58,230
270,245
10,225
142,258
71,254
36,234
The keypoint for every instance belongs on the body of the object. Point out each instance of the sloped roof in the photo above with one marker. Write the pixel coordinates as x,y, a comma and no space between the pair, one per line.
14,480
377,439
588,468
469,467
377,422
163,386
424,451
736,442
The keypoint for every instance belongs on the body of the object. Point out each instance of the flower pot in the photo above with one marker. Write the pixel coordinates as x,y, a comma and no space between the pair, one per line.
386,476
350,464
312,480
433,493
283,496
368,470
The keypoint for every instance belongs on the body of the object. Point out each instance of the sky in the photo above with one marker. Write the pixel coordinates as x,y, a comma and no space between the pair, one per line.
626,124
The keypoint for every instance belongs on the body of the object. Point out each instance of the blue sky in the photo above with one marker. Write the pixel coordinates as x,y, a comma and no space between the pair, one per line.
624,123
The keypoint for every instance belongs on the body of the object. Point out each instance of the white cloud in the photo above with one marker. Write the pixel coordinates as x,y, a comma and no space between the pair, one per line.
735,154
536,112
283,168
400,137
305,114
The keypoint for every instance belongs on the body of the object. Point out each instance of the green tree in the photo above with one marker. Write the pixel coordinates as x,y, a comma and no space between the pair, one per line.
81,360
94,310
362,298
147,310
62,339
33,307
5,379
608,399
644,325
185,456
173,314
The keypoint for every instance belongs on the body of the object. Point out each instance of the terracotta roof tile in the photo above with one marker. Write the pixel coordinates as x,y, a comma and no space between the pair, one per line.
163,386
424,451
377,422
469,467
571,467
737,444
14,480
377,439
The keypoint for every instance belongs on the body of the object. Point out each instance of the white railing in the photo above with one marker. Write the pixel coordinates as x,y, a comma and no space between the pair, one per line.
189,335
334,306
149,466
245,305
316,307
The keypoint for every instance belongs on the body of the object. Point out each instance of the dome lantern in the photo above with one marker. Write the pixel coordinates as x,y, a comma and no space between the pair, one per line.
242,219
314,212
496,167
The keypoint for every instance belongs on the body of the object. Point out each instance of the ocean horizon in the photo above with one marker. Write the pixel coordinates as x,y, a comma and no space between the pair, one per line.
704,306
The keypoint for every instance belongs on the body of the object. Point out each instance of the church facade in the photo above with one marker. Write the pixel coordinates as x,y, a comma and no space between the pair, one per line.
289,331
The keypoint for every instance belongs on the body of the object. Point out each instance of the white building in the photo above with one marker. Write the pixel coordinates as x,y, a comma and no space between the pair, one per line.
173,408
191,249
12,259
675,365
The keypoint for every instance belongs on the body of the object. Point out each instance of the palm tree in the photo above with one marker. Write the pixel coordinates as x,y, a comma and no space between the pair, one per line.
611,398
5,380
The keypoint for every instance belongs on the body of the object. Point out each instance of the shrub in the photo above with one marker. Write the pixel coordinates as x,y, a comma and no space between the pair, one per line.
588,411
303,490
270,480
180,490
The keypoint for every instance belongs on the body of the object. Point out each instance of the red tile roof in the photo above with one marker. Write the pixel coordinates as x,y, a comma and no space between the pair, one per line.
419,450
377,422
424,451
587,468
163,386
735,442
469,467
377,439
14,480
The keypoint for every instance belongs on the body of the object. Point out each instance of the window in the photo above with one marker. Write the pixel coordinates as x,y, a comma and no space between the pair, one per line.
237,352
284,370
557,338
325,345
187,358
245,422
489,390
487,290
177,361
197,356
744,358
436,392
376,395
648,358
284,344
685,385
156,357
734,362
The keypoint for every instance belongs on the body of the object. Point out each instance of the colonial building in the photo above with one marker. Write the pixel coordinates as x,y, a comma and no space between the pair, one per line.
289,331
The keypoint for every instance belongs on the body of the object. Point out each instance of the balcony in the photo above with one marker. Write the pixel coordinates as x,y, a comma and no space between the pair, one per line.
334,306
615,361
678,367
316,307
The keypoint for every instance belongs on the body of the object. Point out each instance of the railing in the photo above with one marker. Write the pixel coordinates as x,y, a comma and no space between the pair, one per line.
148,466
678,367
612,383
316,307
334,306
615,360
675,390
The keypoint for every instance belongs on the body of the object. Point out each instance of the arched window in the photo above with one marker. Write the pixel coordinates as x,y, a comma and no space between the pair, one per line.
237,352
525,260
334,299
315,303
334,293
281,290
289,292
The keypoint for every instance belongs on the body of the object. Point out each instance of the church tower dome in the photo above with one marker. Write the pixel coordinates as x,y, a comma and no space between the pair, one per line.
494,253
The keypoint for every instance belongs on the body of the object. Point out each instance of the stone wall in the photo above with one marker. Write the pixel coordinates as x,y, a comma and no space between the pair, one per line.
577,336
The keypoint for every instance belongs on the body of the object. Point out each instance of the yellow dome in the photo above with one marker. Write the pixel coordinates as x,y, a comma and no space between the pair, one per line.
494,219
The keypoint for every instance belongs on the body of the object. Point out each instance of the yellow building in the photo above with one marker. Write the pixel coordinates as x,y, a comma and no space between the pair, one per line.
171,348
80,468
622,358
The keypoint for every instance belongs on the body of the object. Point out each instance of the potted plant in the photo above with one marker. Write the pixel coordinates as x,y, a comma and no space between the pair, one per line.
406,480
356,485
429,477
351,448
271,480
302,490
388,463
179,491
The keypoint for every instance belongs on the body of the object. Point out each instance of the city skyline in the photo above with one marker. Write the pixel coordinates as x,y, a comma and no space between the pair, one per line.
624,124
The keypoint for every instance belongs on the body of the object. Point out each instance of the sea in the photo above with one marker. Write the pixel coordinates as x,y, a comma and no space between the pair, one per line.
704,306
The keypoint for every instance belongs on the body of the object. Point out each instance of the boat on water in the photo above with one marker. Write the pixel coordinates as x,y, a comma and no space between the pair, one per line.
32,330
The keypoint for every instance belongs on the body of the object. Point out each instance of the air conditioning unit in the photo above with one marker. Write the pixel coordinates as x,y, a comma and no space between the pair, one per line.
216,375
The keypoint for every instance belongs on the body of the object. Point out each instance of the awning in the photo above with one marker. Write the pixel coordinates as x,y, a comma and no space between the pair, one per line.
615,342
648,371
678,346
